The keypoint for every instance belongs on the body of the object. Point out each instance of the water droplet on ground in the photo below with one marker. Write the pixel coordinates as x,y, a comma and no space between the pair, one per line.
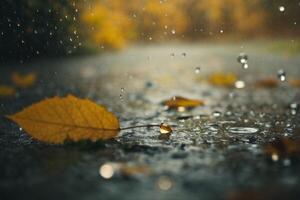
239,84
197,70
242,58
216,113
281,75
242,130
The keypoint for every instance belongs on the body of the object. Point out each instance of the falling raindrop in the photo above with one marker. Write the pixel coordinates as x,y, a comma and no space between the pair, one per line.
242,58
245,66
281,75
197,70
281,8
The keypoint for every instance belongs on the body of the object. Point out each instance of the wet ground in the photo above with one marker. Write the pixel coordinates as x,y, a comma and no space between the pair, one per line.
214,152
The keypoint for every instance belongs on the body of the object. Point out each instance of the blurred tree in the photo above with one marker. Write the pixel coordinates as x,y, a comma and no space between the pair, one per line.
106,24
31,28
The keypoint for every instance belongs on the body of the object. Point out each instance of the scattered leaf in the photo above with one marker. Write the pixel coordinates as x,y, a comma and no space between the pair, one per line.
6,91
220,79
58,119
283,146
177,102
133,170
23,80
267,83
294,82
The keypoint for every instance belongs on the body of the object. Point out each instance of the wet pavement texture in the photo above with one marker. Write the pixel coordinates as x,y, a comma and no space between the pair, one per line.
214,152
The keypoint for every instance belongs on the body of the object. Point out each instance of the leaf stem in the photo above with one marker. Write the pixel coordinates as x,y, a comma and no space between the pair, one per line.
140,126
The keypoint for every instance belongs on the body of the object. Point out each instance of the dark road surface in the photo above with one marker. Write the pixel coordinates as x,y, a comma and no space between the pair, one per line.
215,152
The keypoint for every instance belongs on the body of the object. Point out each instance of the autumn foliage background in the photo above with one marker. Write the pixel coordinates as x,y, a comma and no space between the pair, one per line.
32,28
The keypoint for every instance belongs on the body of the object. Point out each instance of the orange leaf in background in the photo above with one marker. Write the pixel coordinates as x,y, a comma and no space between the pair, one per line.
283,146
294,82
220,79
58,119
6,91
178,101
23,81
267,83
132,170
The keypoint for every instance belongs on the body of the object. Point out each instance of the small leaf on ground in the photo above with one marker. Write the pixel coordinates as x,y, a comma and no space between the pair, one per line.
178,102
267,83
222,79
56,120
6,91
23,80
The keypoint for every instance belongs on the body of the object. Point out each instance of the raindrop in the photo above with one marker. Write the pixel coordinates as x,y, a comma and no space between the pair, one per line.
245,66
275,157
239,84
242,130
106,171
281,8
281,75
216,113
242,58
293,112
197,70
164,183
293,105
286,162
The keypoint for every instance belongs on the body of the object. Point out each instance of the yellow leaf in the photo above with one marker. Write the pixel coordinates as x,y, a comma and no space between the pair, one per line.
220,79
178,102
23,81
58,119
7,90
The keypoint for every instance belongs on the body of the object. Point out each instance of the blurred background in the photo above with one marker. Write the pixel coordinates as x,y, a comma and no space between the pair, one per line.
33,28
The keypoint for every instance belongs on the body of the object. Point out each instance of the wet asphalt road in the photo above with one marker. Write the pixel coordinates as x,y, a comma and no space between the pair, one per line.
215,152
